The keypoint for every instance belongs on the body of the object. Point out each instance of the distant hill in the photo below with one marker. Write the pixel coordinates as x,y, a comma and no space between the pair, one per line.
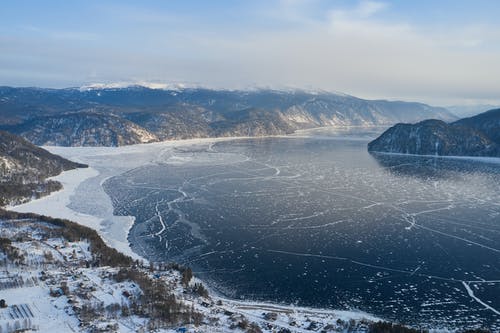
82,129
470,110
24,169
474,136
138,114
487,123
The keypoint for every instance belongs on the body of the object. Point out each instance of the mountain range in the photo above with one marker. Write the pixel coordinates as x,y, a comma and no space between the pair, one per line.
463,111
102,116
474,136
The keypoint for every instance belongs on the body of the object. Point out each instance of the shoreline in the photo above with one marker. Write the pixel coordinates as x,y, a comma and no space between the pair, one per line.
59,204
56,205
114,229
482,159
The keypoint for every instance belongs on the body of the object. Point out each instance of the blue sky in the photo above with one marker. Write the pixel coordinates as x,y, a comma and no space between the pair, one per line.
441,52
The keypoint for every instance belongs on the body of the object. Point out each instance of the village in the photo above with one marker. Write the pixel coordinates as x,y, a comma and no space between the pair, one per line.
49,283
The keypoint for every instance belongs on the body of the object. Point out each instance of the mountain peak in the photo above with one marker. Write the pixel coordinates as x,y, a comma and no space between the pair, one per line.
137,84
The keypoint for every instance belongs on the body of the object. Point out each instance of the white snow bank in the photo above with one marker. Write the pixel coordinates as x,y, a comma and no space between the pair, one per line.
495,160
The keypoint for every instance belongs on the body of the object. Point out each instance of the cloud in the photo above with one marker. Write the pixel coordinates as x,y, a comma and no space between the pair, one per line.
355,51
364,49
61,34
369,8
74,35
137,14
364,9
359,21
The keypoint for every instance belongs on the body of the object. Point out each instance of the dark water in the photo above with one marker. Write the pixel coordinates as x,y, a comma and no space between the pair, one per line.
320,222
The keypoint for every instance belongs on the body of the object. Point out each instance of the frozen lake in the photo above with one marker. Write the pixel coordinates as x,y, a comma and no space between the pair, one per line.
318,221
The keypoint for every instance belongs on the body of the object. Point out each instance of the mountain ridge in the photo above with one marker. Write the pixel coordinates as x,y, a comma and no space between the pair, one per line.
186,113
24,169
83,129
474,136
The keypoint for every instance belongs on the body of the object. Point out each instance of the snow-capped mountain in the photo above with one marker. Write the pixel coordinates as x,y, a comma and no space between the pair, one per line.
125,84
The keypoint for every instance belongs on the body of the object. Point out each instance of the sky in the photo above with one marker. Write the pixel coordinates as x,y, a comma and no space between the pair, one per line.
438,52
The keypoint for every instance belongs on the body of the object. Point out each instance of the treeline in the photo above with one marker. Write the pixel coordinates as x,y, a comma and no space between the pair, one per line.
24,169
14,192
10,251
157,302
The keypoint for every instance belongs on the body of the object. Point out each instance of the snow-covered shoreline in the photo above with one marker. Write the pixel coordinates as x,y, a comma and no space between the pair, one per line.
483,159
94,208
84,200
57,205
114,229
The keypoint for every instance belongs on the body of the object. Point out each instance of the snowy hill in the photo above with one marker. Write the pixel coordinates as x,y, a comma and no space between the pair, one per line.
24,169
84,129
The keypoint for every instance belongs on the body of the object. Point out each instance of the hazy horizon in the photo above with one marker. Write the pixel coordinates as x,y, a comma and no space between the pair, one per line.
440,53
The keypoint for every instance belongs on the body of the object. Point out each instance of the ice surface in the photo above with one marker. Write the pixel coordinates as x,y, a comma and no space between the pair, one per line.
313,221
83,199
321,222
